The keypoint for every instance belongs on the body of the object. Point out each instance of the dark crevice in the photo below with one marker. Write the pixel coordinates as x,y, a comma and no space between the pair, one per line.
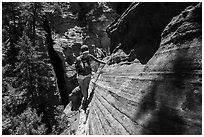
57,64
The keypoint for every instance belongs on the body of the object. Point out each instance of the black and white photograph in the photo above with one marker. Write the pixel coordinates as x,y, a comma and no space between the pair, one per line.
101,68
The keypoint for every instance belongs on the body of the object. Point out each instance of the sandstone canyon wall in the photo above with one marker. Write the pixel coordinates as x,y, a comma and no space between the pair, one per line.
164,94
141,25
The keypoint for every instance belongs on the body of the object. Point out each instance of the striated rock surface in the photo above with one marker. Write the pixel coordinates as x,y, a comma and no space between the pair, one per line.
141,25
162,97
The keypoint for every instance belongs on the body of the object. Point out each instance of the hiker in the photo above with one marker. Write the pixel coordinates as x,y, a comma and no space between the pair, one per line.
98,52
84,71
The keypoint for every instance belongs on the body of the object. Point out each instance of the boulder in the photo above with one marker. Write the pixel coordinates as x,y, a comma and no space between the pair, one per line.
75,98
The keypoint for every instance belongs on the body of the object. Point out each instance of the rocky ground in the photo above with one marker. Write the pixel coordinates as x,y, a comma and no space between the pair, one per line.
78,120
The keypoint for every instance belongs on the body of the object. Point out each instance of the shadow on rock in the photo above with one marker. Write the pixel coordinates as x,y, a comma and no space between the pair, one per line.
166,99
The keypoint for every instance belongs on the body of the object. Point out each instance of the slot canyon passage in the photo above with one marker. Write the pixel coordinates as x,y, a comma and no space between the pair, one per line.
151,83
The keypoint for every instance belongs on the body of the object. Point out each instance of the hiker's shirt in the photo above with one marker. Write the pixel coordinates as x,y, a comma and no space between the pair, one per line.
83,64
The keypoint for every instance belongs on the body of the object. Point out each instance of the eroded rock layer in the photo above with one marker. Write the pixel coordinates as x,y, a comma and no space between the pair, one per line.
141,25
162,97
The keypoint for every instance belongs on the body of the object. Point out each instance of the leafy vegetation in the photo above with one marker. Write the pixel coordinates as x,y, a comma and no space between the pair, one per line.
28,78
30,92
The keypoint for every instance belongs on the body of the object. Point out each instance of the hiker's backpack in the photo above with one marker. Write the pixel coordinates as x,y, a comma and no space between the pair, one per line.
83,65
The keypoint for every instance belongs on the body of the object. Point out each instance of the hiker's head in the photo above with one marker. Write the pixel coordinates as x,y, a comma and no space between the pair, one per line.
93,46
85,50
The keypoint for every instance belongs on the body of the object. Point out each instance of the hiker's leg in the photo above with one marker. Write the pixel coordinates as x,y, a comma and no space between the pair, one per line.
86,82
81,85
86,86
80,81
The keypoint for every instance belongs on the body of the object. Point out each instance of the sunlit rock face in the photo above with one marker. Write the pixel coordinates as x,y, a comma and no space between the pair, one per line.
141,25
98,21
81,23
163,96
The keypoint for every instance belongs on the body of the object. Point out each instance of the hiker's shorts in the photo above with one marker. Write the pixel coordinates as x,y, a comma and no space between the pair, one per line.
84,85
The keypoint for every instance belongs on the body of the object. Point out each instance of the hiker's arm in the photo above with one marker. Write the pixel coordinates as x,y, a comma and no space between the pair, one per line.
97,60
